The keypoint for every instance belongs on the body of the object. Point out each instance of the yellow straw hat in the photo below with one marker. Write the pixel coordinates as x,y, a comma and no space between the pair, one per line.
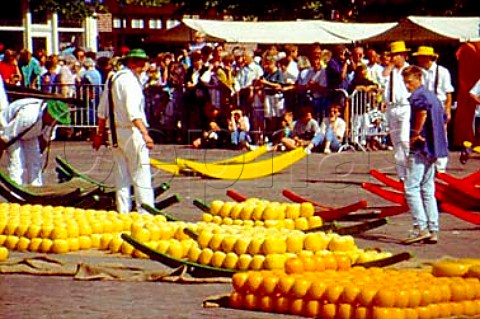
425,51
398,47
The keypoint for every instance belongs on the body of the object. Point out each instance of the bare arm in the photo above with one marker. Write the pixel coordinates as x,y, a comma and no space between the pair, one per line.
420,118
448,107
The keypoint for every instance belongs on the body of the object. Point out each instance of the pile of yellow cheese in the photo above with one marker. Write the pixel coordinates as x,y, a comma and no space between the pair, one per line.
359,293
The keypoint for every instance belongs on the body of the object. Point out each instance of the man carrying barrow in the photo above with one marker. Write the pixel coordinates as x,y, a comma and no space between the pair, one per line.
25,130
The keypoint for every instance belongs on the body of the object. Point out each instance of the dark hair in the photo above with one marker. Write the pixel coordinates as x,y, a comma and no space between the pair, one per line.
195,56
49,64
305,109
206,50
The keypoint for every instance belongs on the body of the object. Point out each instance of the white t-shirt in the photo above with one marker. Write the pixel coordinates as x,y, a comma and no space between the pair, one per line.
475,90
339,127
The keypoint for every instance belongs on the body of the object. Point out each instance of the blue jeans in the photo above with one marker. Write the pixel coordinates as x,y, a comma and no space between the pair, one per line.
420,192
319,138
239,137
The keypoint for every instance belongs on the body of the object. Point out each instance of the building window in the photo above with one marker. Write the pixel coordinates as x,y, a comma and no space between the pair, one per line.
172,24
155,23
138,24
117,23
191,16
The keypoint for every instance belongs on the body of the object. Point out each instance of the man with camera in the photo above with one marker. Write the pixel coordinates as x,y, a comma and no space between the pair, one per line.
337,77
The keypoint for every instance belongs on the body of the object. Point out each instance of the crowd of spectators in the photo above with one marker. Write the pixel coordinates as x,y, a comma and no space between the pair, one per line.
207,96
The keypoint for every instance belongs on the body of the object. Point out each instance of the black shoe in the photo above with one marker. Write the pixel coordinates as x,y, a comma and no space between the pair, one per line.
464,154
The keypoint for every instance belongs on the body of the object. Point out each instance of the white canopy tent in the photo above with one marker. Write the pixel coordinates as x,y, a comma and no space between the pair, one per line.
413,28
284,32
461,28
431,29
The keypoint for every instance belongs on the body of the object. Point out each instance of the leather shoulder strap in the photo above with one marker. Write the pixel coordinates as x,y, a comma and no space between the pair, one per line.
111,113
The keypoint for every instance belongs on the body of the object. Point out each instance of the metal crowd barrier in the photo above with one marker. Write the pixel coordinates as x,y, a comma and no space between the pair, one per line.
82,116
160,106
365,119
360,109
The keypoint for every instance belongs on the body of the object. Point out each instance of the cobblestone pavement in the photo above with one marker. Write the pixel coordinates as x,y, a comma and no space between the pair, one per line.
333,180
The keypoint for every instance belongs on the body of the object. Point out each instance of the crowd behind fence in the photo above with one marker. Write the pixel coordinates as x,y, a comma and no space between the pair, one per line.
364,114
83,116
204,83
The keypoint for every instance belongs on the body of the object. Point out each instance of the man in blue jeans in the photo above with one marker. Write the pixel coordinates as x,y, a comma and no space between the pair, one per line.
428,142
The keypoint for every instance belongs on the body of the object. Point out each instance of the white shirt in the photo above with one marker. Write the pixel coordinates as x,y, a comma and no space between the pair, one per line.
128,99
338,127
374,72
246,75
67,81
21,115
242,122
444,82
292,70
475,90
400,92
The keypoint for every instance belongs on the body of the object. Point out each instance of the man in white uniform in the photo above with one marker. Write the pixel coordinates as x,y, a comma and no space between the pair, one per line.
398,107
437,79
131,154
3,102
28,126
475,94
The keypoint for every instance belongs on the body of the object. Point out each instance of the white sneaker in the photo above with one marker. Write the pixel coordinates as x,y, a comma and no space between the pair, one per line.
307,151
416,236
327,151
251,147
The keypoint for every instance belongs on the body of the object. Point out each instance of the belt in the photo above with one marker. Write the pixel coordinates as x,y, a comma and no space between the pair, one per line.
122,125
394,105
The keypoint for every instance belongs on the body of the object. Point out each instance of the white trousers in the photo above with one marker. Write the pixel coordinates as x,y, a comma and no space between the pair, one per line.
441,164
132,168
25,156
398,119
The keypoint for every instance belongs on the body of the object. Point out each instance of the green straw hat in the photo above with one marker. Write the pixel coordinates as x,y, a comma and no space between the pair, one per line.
59,111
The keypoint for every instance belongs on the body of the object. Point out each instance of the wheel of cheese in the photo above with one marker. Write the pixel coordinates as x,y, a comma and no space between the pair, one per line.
473,272
449,269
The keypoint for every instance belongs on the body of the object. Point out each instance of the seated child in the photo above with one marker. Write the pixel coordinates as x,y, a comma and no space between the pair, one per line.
282,139
304,130
332,131
376,132
213,138
239,126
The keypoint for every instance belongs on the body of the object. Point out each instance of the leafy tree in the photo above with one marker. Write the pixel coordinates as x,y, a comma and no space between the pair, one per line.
257,9
79,9
70,9
341,10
